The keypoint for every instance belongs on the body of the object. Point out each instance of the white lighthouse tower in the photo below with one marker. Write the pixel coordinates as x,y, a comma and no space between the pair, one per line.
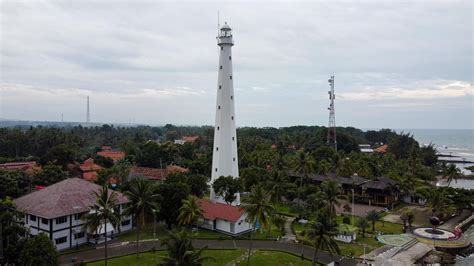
224,157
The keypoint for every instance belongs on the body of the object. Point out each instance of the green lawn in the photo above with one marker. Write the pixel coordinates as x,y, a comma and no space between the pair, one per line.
161,232
283,209
356,248
221,257
265,257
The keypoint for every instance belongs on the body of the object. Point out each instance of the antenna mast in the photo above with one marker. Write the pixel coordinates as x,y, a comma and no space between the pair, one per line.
88,117
332,115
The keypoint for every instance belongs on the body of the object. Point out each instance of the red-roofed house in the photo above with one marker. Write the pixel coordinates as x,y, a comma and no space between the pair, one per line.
56,210
381,149
223,217
89,170
108,152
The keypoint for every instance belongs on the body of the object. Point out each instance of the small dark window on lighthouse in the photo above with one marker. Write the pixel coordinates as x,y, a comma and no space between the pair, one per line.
233,159
217,148
217,128
221,67
222,48
232,118
233,138
231,97
216,169
220,87
230,77
219,107
230,57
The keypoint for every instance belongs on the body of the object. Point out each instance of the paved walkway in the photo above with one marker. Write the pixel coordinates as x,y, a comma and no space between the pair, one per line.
289,236
123,249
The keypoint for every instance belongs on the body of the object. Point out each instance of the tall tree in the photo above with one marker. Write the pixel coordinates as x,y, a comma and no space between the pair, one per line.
304,165
259,210
227,187
450,173
103,212
332,192
363,224
142,200
189,211
10,230
373,216
39,251
322,231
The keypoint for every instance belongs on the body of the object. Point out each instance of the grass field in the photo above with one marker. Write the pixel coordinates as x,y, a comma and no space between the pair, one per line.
221,257
161,232
356,248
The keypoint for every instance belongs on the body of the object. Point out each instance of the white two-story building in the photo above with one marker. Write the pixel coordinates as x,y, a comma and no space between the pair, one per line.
57,210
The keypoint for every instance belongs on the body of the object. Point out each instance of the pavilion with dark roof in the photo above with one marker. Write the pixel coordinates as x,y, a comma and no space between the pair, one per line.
57,210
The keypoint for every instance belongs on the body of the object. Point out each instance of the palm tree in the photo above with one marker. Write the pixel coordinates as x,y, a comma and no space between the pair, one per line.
322,231
142,199
278,186
451,173
332,190
363,224
436,199
373,216
304,166
189,211
181,251
102,212
259,210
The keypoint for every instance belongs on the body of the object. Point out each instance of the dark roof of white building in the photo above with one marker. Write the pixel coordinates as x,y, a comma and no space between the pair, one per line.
70,196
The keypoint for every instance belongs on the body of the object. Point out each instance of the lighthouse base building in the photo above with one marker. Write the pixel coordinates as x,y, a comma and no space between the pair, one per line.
216,213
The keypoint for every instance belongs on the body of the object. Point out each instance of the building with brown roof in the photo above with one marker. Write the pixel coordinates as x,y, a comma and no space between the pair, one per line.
223,217
29,167
157,174
57,210
89,170
108,152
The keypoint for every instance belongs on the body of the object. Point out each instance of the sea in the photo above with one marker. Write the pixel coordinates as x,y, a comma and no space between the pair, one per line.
454,142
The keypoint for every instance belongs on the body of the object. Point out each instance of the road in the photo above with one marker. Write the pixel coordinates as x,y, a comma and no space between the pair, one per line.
119,249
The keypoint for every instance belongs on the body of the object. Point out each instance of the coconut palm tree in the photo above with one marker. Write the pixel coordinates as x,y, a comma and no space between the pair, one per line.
278,186
321,232
451,173
363,224
259,210
373,216
104,211
181,251
304,166
142,199
435,199
332,192
189,211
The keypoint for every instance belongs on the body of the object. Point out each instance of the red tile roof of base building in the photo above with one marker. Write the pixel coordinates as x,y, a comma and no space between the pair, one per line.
70,196
381,149
214,210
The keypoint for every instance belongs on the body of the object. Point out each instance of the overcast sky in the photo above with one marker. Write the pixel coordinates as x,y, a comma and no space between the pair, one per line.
406,64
